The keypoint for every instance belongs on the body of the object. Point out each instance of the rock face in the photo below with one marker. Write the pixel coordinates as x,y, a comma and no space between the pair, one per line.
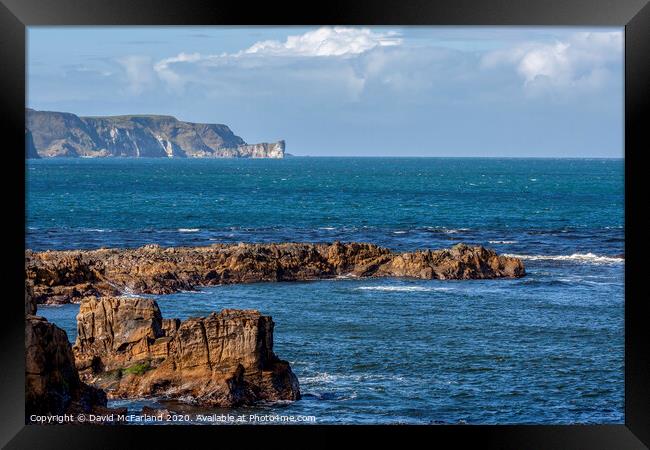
461,262
264,150
126,347
65,134
68,276
30,301
30,149
52,383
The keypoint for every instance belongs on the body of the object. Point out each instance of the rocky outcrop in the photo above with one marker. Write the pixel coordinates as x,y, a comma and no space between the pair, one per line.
52,383
264,150
65,134
68,276
461,262
126,347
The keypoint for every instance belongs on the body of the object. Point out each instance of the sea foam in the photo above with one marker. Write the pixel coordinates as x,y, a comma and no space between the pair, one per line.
403,288
587,258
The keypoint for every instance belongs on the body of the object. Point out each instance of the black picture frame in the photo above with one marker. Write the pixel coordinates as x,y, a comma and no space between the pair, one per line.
16,15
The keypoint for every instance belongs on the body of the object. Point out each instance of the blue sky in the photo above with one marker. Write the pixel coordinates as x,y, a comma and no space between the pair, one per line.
350,91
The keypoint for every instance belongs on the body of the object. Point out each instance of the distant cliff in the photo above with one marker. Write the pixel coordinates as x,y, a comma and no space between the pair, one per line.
30,149
51,134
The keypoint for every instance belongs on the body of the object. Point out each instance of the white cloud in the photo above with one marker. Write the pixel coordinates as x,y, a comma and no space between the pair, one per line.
326,41
582,61
168,75
139,73
181,57
357,62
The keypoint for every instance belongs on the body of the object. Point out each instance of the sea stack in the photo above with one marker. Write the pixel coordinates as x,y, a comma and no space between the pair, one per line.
125,347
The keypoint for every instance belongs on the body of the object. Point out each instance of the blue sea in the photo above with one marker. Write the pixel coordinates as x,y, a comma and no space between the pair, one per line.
544,349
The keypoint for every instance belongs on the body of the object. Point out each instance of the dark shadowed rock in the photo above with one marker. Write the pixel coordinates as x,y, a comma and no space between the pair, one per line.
52,384
159,413
30,148
30,302
68,276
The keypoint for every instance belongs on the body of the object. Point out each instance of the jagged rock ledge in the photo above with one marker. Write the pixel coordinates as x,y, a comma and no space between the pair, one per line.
125,347
68,276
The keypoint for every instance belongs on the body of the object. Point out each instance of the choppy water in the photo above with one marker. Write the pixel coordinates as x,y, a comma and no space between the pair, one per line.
547,348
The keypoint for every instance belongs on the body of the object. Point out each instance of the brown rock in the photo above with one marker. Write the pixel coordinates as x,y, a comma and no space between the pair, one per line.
52,384
225,359
117,330
69,276
159,413
461,262
30,302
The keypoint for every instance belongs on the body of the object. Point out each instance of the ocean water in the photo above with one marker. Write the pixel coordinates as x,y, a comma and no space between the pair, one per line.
546,348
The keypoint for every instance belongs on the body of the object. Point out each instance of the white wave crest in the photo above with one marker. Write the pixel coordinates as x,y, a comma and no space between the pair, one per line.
502,242
403,288
588,258
188,230
447,230
324,378
347,276
321,377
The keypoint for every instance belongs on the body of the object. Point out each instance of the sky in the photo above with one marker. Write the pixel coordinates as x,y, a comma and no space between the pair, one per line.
350,91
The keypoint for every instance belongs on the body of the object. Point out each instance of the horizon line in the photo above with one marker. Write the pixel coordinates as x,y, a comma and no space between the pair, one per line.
290,156
451,157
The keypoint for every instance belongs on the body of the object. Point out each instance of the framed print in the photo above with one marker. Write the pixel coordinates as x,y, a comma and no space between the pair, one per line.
373,217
